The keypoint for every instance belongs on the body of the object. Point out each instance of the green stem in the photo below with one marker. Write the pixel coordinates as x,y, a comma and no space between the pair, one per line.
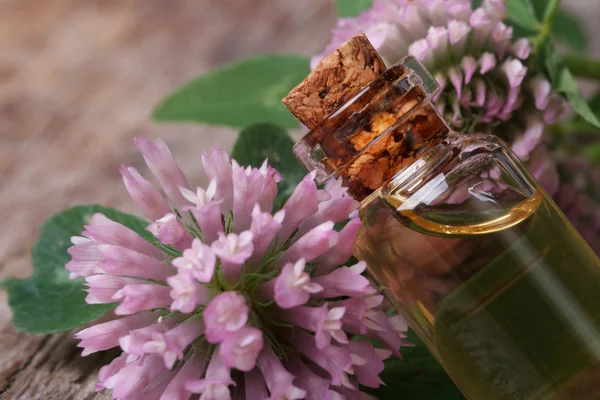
545,27
550,13
582,66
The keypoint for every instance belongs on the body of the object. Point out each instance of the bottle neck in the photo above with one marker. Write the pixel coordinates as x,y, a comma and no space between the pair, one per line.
386,127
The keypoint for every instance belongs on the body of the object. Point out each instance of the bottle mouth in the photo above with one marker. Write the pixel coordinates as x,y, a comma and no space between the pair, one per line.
466,185
379,131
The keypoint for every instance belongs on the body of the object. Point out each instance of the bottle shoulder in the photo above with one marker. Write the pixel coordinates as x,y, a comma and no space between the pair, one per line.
467,185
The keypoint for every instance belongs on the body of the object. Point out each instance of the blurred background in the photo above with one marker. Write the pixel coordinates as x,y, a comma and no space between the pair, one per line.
79,79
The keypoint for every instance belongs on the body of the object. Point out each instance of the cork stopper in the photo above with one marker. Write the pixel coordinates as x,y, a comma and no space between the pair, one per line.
366,133
334,81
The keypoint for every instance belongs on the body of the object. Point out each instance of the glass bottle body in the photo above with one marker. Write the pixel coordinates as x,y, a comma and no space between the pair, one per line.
488,272
464,243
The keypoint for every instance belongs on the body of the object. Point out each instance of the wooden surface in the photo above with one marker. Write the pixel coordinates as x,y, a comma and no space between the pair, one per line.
78,80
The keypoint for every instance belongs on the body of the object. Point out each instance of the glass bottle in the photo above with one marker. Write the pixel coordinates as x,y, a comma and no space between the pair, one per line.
464,243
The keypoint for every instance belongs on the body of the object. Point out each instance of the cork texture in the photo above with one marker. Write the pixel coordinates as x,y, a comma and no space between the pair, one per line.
334,81
378,127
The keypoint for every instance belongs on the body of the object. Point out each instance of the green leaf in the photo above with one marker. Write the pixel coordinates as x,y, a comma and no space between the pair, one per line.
579,125
351,8
550,60
569,29
566,84
238,95
594,103
261,141
566,28
49,302
521,32
550,11
417,376
476,4
521,12
539,7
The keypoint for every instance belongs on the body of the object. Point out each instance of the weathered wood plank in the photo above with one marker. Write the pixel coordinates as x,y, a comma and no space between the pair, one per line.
47,367
78,80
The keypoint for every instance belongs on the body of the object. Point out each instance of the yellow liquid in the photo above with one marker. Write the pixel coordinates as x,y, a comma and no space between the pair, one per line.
518,213
511,311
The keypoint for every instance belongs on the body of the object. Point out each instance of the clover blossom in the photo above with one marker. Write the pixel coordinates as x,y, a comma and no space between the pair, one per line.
488,84
231,300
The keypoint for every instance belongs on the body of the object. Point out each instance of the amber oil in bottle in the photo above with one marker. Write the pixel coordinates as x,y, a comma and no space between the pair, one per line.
465,244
